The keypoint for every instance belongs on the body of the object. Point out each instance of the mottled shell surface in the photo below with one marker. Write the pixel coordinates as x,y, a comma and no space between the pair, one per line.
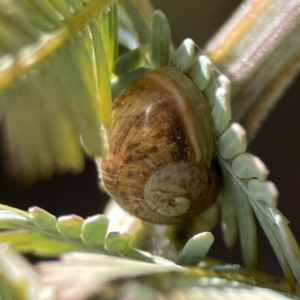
159,149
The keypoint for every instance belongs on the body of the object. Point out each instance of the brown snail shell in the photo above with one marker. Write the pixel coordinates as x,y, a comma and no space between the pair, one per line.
159,149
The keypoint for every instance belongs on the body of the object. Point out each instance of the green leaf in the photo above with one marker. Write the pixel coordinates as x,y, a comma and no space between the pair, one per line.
266,224
247,227
263,205
228,213
42,218
276,230
233,141
263,191
117,242
195,249
247,165
139,15
241,190
128,62
80,275
117,278
94,229
201,72
18,279
161,39
36,243
183,58
221,112
40,233
56,59
70,226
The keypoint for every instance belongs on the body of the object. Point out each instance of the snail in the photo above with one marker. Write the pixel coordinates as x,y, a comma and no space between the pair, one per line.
158,163
163,144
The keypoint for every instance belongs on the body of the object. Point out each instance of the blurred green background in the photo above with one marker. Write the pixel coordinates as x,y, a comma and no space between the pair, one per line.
277,144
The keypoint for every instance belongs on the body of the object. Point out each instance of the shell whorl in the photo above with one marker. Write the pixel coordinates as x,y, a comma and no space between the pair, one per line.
174,190
155,151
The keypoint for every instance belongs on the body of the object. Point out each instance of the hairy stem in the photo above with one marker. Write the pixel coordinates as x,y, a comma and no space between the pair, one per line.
259,50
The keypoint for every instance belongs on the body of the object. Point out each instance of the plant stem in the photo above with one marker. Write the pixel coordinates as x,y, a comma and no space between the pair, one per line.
259,50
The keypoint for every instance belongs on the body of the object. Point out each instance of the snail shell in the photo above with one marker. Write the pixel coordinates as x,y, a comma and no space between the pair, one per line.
159,149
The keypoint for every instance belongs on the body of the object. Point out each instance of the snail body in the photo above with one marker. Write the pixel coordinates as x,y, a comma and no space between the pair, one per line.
159,149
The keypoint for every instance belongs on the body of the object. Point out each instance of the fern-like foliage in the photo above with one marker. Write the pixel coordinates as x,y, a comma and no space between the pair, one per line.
245,188
56,58
79,276
39,232
136,279
244,195
97,263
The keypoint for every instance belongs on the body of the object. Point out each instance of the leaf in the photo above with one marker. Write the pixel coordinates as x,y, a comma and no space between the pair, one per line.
195,249
247,227
244,180
94,229
276,231
84,275
40,233
161,39
19,280
228,214
136,18
56,59
116,278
